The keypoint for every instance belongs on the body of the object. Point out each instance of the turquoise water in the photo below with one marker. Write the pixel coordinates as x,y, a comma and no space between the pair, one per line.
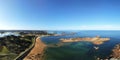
81,50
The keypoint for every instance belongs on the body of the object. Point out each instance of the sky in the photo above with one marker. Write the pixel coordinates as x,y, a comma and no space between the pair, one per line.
59,14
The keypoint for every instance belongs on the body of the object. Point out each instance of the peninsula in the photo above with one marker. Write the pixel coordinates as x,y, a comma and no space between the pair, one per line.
20,44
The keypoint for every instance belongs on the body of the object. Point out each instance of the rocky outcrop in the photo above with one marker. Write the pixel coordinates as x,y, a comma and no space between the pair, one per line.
116,52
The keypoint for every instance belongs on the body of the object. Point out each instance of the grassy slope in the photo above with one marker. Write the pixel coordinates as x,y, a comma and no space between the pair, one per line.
4,50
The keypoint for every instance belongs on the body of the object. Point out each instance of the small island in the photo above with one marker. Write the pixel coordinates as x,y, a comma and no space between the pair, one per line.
95,40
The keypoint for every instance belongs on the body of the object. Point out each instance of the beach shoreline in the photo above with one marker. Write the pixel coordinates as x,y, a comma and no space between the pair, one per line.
37,52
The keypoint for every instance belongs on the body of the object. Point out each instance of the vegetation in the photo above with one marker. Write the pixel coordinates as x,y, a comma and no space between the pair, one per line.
16,44
11,45
4,50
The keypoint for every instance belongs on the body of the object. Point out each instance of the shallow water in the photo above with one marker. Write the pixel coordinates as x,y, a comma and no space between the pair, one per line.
81,50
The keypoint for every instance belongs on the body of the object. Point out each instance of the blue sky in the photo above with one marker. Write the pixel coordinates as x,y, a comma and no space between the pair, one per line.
60,14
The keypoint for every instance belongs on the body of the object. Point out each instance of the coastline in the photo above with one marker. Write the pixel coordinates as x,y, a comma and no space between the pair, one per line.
37,52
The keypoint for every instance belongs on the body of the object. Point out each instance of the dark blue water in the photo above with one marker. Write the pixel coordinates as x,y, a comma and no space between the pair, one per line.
81,50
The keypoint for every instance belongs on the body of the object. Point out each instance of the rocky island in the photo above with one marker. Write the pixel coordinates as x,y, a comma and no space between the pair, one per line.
95,40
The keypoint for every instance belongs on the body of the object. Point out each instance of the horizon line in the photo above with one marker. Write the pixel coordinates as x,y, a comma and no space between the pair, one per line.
46,30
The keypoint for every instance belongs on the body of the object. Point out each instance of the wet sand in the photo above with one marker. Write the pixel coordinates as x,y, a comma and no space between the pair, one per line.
37,52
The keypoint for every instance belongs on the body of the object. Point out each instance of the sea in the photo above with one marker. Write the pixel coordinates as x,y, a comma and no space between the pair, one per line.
80,50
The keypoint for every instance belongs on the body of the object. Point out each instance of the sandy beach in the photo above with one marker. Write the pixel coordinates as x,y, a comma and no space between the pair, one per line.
37,52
